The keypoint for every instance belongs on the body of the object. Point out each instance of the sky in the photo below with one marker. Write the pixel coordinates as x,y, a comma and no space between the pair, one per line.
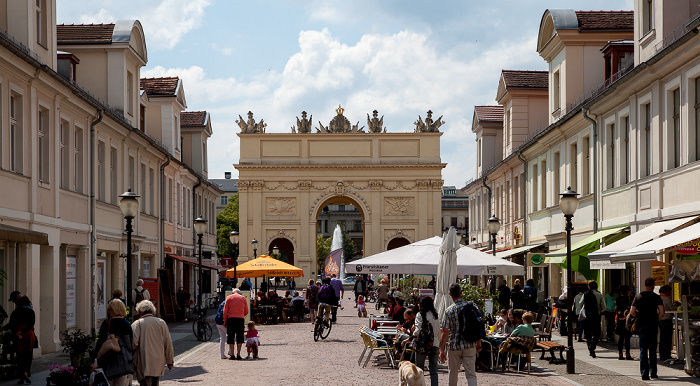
277,58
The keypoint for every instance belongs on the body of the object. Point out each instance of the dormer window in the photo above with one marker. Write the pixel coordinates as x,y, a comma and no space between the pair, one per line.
41,22
129,93
647,16
556,91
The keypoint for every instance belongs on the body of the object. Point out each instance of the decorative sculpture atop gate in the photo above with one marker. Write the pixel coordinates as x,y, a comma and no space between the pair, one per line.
428,126
250,127
340,124
375,125
303,124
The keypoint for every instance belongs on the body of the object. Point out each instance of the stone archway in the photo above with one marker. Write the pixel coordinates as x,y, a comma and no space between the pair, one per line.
285,246
396,243
285,180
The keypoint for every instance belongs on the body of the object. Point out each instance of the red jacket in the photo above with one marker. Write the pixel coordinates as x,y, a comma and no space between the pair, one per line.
236,306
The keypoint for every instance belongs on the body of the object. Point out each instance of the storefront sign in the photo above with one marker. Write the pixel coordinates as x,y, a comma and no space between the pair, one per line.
71,291
688,248
535,260
226,262
658,272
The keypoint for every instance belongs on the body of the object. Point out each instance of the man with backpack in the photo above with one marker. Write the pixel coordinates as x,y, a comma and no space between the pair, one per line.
139,293
463,328
326,300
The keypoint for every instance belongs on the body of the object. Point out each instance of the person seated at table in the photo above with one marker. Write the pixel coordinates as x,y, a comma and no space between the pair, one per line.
501,320
510,324
405,330
396,310
524,329
261,298
288,296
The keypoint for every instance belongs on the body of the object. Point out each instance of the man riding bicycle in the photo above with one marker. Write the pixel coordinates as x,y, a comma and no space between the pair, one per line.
326,300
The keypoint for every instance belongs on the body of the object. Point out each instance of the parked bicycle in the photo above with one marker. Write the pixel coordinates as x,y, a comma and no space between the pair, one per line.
213,302
321,328
201,328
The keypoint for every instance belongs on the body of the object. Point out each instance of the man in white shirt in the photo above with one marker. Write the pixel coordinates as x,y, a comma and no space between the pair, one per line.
139,293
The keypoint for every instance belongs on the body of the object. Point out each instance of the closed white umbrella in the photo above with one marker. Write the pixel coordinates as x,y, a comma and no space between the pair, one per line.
447,271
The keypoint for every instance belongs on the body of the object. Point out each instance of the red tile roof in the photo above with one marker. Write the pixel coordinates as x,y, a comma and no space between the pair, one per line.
605,20
489,113
84,33
526,79
159,86
192,118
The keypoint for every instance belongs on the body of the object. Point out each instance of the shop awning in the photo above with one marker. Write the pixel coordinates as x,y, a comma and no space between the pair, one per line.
511,252
605,264
648,251
187,260
652,231
590,242
20,235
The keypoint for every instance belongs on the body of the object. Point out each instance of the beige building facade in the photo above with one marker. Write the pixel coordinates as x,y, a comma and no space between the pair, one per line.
285,181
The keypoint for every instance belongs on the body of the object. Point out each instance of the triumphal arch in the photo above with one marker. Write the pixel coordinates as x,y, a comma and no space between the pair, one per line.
286,179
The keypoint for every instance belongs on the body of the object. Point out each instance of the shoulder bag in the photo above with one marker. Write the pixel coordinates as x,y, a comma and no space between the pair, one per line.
110,344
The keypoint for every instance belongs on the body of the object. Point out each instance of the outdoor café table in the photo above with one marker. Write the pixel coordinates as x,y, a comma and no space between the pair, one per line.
494,341
268,310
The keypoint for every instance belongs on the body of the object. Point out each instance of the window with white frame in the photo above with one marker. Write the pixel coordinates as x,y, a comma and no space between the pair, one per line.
178,210
65,153
535,185
151,191
676,121
44,145
132,174
129,93
507,198
224,200
516,197
556,187
41,22
478,152
646,139
543,181
101,171
508,127
556,91
611,160
586,166
16,134
647,16
573,166
114,172
625,148
142,188
78,159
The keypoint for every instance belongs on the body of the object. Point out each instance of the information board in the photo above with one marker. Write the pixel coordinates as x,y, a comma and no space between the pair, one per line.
151,284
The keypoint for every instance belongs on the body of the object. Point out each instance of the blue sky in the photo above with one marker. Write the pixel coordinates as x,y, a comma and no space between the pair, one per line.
277,58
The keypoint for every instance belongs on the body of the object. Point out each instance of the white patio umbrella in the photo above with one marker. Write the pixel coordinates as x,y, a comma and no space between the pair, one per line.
447,271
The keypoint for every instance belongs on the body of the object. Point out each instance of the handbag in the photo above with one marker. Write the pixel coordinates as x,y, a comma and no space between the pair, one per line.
110,344
121,364
582,314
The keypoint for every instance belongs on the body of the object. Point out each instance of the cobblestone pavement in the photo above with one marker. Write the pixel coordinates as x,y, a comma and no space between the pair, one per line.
289,356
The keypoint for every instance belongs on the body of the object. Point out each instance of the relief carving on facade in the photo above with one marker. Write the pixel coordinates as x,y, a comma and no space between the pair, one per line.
375,185
282,234
304,185
399,233
423,184
281,206
429,126
399,206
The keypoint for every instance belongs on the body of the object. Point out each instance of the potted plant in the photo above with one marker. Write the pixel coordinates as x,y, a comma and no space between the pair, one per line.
76,343
69,375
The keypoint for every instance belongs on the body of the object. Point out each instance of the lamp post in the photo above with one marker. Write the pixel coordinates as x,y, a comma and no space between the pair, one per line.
254,244
494,226
233,237
200,226
129,205
568,205
275,253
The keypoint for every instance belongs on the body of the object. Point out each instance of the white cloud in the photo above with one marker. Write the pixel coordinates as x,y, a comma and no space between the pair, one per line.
164,23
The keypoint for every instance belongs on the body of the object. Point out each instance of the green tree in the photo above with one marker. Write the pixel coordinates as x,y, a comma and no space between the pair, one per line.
349,247
323,248
227,222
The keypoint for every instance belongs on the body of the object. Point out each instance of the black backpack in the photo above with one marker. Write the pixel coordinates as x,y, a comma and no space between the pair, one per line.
424,341
471,324
139,295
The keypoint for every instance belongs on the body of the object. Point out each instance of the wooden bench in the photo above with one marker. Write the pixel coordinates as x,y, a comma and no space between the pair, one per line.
551,346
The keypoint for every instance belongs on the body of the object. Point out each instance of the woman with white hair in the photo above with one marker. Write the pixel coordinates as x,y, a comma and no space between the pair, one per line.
153,348
139,293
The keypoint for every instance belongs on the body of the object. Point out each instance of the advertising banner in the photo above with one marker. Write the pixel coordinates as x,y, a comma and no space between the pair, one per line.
332,263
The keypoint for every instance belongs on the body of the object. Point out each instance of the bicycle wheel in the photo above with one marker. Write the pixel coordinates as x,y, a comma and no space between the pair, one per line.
326,330
207,331
318,329
202,330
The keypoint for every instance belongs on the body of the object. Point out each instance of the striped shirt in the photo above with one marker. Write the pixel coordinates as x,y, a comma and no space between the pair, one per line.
451,322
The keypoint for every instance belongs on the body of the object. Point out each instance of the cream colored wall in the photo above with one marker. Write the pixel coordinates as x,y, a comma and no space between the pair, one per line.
285,179
91,72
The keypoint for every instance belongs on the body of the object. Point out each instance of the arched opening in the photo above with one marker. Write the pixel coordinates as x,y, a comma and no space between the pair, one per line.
346,212
396,243
286,249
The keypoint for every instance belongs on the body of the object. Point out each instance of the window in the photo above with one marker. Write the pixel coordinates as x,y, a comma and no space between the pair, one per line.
535,185
556,186
204,155
178,209
585,166
556,91
647,16
610,155
151,191
142,118
44,145
543,187
101,171
113,171
478,152
142,188
453,221
65,154
132,171
41,22
573,166
697,119
16,134
676,117
129,93
78,159
625,170
516,198
646,139
508,201
508,128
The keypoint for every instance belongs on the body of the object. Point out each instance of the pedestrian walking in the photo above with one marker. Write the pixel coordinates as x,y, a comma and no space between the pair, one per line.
312,299
291,285
235,311
117,294
622,308
504,295
117,366
360,287
219,321
530,292
153,347
337,285
427,323
252,340
461,351
139,293
610,314
517,298
578,304
648,308
666,324
593,308
21,324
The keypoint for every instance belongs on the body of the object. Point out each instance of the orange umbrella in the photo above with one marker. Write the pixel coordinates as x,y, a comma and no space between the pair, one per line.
265,266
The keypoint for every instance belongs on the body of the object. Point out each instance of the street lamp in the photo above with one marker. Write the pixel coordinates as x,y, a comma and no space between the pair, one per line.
494,226
254,244
276,254
568,205
233,237
129,205
200,226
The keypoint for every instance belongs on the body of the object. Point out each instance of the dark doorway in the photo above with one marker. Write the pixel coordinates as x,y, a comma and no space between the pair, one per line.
396,243
286,249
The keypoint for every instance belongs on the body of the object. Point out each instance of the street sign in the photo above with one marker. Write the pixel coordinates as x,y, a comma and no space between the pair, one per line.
535,260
